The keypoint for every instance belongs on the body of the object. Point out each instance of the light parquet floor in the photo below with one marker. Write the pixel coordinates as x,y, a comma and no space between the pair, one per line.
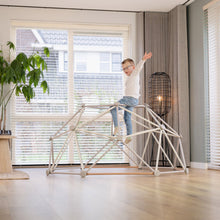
195,196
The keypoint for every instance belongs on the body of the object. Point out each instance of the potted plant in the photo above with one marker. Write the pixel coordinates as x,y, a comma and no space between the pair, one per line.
20,75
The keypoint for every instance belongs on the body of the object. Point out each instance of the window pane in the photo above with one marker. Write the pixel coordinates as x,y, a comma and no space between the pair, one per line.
104,57
116,62
32,142
98,85
104,62
29,40
90,144
80,61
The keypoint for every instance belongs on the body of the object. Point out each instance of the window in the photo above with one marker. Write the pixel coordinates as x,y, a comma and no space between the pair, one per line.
82,68
63,61
212,45
110,62
116,64
104,62
97,84
80,61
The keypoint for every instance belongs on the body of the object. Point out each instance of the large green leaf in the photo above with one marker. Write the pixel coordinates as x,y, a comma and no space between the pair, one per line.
18,90
23,76
28,92
43,65
46,51
22,58
34,77
9,75
11,45
17,67
31,62
45,86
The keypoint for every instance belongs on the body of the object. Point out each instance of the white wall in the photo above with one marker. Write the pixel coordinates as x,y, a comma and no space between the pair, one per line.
8,14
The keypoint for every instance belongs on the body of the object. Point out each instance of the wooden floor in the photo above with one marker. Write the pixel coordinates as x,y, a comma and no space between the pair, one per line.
61,196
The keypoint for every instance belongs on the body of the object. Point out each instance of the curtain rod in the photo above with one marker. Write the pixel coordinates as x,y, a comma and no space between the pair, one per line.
77,9
188,2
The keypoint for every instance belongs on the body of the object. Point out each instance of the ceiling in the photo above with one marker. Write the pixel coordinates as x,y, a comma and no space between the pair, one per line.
118,5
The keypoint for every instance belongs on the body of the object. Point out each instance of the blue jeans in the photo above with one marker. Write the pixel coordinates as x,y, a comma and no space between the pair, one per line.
130,102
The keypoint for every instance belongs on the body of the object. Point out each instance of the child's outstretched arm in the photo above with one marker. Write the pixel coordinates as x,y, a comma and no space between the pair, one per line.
141,63
147,56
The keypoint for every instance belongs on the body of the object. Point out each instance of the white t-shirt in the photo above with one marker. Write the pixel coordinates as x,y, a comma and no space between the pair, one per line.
132,86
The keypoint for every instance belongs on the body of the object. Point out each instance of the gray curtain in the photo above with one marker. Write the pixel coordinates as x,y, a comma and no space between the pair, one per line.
165,34
140,36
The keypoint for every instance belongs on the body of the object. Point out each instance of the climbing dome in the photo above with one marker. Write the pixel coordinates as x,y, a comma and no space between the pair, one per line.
153,127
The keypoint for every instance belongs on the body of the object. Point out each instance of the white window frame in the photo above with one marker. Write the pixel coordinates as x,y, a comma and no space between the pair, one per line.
73,29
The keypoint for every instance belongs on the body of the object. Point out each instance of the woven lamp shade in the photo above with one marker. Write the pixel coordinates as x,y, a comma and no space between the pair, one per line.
160,93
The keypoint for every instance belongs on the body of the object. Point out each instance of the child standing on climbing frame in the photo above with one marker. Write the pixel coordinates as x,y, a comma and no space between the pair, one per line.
131,92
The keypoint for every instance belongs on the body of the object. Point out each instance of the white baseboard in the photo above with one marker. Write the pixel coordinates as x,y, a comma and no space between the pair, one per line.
199,165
